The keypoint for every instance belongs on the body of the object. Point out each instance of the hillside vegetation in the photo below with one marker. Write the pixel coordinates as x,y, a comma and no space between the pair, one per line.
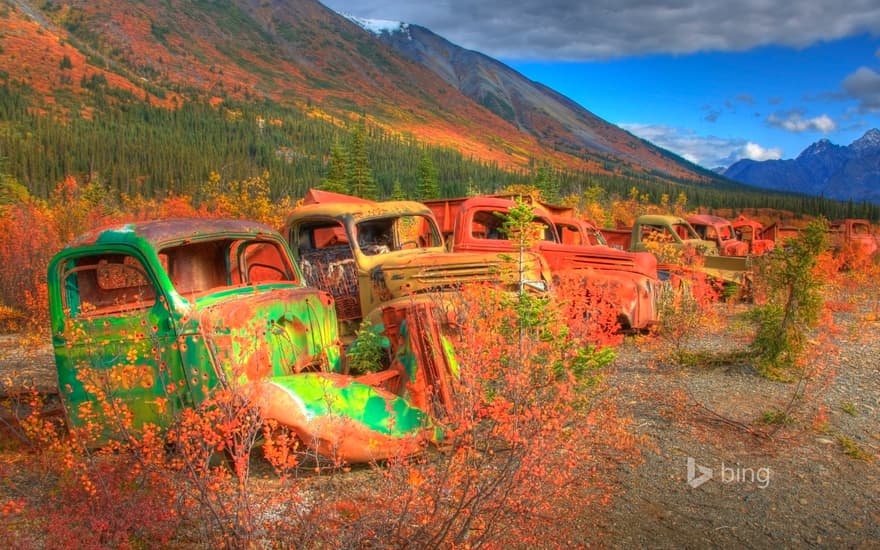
151,98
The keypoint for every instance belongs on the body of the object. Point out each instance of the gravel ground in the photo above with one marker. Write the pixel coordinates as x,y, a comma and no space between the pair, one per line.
796,489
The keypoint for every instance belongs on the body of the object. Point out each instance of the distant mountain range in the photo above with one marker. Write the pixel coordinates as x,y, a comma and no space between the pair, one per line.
823,169
300,54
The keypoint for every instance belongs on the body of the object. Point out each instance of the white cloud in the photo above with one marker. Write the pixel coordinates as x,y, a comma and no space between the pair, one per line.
794,121
605,29
707,151
754,151
864,86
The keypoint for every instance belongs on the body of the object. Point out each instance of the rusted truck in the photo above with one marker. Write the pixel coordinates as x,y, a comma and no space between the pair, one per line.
849,235
673,229
475,225
853,235
371,255
689,251
752,233
720,231
153,316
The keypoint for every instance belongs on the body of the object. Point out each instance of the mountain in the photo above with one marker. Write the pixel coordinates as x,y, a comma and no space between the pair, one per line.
302,55
823,169
533,108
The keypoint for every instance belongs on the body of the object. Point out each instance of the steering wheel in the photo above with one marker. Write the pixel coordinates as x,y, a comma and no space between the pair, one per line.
282,274
409,244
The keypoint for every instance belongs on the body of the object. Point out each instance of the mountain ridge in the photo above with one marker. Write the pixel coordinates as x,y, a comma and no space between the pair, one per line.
305,55
531,106
823,168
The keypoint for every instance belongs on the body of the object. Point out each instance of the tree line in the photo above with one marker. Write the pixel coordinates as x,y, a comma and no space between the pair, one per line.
130,147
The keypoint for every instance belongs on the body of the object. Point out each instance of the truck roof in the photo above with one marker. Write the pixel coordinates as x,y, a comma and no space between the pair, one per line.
660,219
162,232
359,210
708,219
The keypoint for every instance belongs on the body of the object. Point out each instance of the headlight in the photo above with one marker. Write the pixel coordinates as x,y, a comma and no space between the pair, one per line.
540,286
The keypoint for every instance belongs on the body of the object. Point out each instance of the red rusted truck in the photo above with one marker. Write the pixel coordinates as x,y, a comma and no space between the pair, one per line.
474,225
853,235
721,232
752,233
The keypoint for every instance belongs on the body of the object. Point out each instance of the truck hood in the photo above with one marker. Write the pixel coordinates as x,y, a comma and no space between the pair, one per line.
344,419
406,272
258,332
599,257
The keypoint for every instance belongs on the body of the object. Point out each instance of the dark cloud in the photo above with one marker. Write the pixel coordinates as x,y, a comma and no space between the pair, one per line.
794,121
605,29
864,86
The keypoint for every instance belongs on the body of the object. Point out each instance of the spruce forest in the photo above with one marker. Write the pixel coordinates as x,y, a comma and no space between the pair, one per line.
130,147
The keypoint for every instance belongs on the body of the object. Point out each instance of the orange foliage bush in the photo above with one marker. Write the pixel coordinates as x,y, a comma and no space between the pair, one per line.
685,305
33,230
529,435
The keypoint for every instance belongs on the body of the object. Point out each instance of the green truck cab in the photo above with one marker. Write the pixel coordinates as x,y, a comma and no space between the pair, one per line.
152,316
652,232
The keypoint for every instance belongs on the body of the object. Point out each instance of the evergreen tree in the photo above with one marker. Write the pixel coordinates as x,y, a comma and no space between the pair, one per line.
337,178
547,182
429,186
360,177
397,191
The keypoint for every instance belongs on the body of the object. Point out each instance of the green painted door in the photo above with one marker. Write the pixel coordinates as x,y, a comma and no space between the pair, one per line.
116,351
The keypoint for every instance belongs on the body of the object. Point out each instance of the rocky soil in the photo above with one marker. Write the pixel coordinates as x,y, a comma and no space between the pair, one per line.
810,484
796,488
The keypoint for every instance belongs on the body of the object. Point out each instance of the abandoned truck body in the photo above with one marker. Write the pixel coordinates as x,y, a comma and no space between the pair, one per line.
370,255
676,232
719,231
629,280
751,232
157,314
853,235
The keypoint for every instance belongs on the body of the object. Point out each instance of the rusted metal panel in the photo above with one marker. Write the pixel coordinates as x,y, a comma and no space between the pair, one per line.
155,315
393,249
629,279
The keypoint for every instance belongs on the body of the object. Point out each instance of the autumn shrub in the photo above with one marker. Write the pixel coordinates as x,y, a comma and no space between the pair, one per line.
528,435
791,291
26,246
685,303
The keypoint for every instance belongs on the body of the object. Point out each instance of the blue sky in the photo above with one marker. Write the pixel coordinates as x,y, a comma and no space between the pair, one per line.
711,81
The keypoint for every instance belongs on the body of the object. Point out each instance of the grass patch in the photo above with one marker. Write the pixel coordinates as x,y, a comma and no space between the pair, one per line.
708,359
776,417
849,408
852,449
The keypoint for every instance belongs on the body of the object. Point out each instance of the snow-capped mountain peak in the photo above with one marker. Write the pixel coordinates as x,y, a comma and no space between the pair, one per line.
868,142
379,26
